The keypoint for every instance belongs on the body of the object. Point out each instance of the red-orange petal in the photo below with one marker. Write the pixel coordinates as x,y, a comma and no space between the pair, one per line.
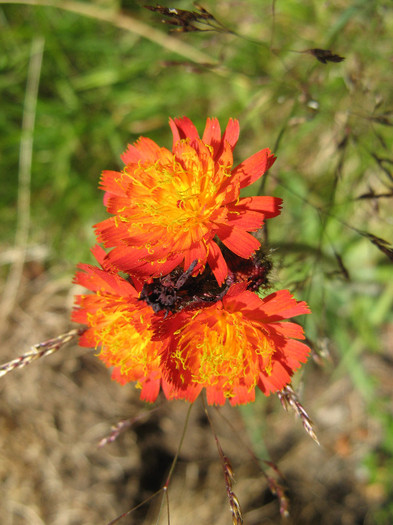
148,149
269,206
243,396
186,129
231,133
245,220
238,241
150,389
212,134
217,262
254,167
131,155
282,305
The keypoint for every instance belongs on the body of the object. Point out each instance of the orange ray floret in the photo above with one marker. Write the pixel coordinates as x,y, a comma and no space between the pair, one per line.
169,207
120,326
233,346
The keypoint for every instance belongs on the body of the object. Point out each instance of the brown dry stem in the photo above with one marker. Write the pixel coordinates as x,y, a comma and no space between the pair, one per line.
41,350
288,398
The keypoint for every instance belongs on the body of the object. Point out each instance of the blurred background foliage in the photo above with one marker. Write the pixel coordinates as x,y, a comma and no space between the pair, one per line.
111,71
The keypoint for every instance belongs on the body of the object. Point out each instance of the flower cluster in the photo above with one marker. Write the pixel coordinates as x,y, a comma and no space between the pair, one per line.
176,302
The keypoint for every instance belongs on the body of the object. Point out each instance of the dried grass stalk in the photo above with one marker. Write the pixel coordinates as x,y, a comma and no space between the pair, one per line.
39,350
288,398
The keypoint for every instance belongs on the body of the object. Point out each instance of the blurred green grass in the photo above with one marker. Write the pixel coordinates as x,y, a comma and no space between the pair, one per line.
330,125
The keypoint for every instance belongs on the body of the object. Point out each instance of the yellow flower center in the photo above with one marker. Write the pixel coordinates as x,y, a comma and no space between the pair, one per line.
123,333
178,194
231,351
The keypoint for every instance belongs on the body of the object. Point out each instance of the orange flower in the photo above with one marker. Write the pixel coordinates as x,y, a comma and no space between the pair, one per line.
233,346
120,325
169,207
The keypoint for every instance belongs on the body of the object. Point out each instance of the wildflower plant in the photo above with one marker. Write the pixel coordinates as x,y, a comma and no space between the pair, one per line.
168,208
175,303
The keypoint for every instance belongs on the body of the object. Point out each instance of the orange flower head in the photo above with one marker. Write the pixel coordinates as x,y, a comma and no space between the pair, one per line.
233,346
170,207
120,325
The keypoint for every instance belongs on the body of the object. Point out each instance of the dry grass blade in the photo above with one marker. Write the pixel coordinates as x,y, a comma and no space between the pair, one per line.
123,425
188,21
24,177
41,350
324,55
125,514
117,429
276,486
122,21
380,243
237,517
343,270
372,195
288,398
278,489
